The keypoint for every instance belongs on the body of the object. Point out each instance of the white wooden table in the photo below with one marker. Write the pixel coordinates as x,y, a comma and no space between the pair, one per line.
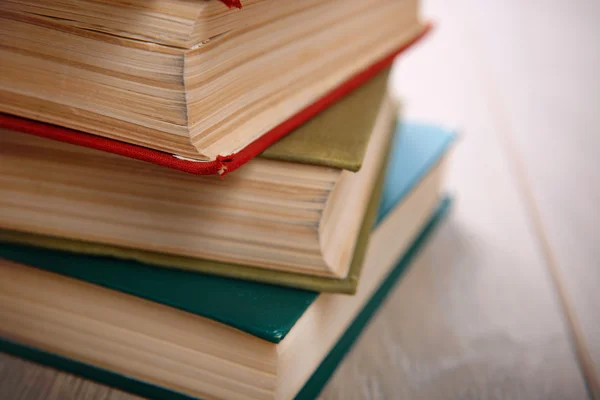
504,303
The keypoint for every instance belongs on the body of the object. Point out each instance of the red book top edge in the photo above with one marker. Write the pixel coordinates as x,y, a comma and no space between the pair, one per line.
223,164
232,3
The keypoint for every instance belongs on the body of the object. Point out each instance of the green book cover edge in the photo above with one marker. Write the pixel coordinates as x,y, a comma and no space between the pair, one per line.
339,135
346,285
313,386
264,310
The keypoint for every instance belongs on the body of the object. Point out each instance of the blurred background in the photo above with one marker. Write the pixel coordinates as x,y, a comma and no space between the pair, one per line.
504,304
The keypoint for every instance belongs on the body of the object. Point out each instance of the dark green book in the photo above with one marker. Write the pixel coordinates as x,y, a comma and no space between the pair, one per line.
172,334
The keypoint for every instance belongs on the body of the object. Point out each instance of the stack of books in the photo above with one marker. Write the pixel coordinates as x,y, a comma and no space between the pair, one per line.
206,198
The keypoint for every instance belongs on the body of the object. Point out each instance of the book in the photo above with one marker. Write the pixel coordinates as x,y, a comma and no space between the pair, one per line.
163,333
310,389
301,216
232,3
228,82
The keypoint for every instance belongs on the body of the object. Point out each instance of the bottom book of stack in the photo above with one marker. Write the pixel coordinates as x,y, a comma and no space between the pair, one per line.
169,334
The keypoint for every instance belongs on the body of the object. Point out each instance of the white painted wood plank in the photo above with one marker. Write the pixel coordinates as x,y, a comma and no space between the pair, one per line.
478,316
545,72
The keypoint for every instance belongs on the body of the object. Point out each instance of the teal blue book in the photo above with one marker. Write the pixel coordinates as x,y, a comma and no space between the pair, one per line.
275,315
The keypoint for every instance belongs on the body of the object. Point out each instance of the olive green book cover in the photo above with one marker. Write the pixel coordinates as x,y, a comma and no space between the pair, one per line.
338,137
113,256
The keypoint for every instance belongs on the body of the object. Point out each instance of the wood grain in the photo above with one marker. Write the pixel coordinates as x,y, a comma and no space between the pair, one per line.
24,380
479,316
456,328
548,98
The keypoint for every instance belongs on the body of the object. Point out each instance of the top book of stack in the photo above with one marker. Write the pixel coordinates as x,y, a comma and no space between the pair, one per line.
210,84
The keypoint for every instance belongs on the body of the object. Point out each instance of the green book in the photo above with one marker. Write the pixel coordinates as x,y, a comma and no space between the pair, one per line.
338,137
268,222
274,328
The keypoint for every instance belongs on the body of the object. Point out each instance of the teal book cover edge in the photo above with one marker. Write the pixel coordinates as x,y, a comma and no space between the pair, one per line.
266,311
313,386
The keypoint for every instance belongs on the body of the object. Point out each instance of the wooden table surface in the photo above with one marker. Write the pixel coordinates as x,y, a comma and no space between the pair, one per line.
504,302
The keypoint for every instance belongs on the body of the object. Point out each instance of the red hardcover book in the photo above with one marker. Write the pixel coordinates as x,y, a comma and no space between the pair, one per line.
232,3
221,163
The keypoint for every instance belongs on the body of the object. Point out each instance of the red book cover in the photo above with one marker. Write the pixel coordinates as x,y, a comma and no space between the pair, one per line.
232,3
224,163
